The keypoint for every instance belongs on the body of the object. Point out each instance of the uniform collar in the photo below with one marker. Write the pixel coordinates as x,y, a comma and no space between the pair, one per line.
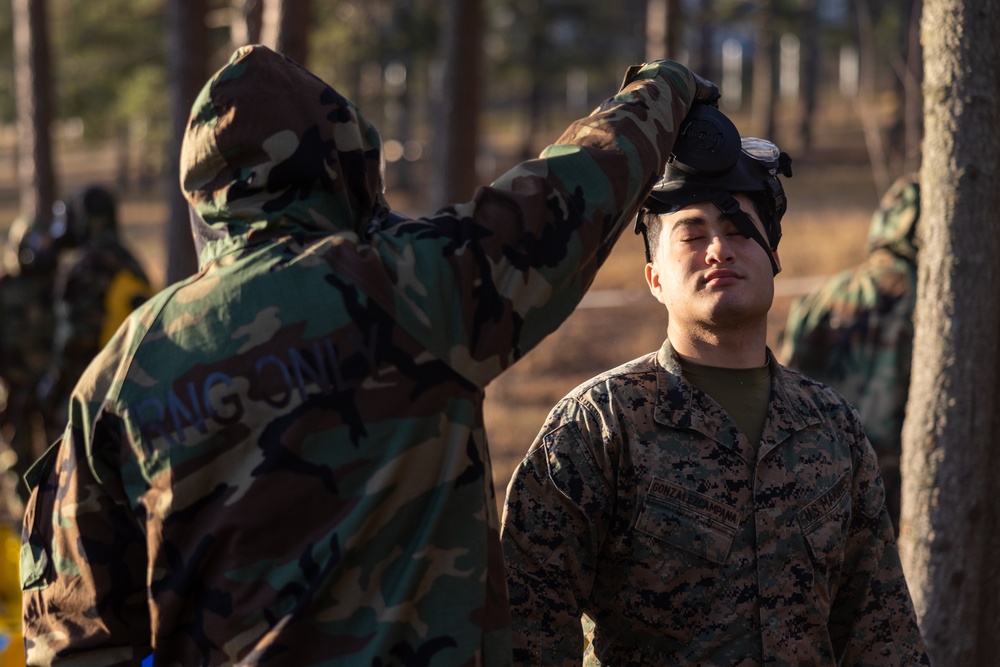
679,404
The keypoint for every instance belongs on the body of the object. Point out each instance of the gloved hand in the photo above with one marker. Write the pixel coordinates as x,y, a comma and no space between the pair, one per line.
706,92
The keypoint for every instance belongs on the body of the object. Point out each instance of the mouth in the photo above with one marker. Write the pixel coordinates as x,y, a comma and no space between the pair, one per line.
720,277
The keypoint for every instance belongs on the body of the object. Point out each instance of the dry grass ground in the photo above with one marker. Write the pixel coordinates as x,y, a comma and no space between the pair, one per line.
831,198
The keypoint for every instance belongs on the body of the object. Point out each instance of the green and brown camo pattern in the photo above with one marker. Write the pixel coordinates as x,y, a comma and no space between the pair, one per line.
855,331
96,287
282,460
642,505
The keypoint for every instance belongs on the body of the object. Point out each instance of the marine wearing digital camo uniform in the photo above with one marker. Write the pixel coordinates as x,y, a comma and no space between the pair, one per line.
702,505
281,460
855,331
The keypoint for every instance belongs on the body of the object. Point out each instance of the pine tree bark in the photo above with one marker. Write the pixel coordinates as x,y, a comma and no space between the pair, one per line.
285,28
765,72
950,524
33,75
247,18
188,72
457,127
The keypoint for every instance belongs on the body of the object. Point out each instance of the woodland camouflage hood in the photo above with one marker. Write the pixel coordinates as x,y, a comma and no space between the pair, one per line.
270,145
894,224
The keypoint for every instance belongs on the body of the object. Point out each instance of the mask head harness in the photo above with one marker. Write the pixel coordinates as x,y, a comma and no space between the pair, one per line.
711,162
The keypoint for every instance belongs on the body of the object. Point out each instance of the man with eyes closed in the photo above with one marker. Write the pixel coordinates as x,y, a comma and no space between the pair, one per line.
703,505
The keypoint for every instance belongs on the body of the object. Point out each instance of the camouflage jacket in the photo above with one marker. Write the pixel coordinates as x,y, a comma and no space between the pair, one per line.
96,288
281,460
855,331
26,328
26,333
642,505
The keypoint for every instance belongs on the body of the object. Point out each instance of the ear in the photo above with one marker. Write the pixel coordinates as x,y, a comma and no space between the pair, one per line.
653,280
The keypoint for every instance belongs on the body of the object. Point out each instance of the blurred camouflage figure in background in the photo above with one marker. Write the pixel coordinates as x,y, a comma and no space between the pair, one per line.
98,283
855,331
26,332
281,460
27,274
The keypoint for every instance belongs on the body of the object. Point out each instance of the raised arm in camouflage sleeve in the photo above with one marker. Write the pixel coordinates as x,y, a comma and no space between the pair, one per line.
281,460
525,249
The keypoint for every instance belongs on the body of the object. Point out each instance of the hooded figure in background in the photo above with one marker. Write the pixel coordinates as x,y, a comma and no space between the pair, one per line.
27,323
99,282
855,331
281,460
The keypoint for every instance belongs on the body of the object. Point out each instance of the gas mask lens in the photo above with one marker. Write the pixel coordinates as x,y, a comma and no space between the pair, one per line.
761,150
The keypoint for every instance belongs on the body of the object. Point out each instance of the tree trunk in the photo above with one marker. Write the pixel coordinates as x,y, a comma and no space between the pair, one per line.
286,28
663,29
765,72
867,112
913,75
247,19
457,129
536,20
704,59
188,73
35,171
809,33
950,524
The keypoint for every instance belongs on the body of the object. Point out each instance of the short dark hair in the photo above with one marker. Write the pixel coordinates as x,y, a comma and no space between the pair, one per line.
763,206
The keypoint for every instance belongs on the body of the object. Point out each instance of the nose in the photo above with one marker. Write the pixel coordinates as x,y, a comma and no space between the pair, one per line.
719,250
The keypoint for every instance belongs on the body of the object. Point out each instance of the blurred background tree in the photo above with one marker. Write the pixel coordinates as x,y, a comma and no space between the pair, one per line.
543,60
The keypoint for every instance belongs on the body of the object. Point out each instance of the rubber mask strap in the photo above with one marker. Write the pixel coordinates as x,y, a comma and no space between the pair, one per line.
730,208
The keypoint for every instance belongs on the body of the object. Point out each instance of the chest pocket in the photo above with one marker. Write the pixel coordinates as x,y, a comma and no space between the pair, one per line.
824,524
824,521
681,540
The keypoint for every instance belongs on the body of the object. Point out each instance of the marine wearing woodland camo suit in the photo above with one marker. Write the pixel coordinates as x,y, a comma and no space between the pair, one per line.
703,505
855,331
281,460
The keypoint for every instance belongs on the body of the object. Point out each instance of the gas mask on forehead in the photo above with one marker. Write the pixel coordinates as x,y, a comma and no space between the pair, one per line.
711,162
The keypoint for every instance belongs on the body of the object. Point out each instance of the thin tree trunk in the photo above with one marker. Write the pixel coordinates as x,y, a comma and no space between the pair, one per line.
704,58
810,74
35,170
765,72
877,154
664,20
537,22
188,73
912,94
247,19
286,28
950,523
457,130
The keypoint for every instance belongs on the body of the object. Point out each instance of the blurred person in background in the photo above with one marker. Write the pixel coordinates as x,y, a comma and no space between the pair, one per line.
98,283
27,325
855,331
27,274
702,504
281,460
